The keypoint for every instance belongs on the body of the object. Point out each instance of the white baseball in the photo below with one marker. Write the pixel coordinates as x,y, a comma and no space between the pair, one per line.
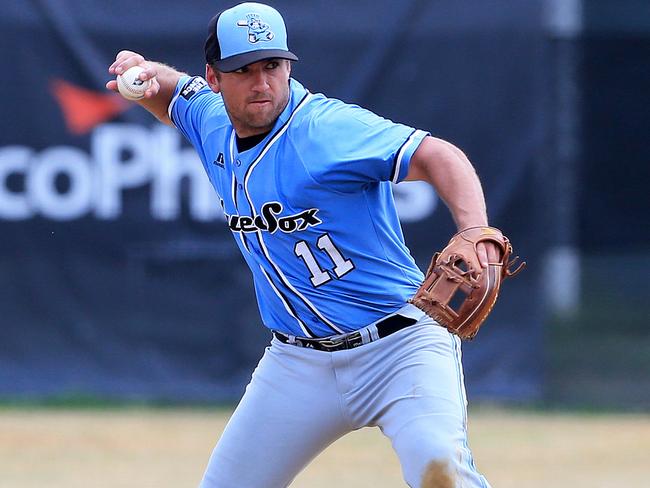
130,85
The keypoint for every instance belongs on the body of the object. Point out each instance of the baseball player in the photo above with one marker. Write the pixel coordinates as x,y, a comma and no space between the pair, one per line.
305,184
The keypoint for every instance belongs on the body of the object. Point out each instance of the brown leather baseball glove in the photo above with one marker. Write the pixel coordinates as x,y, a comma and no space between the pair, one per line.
457,292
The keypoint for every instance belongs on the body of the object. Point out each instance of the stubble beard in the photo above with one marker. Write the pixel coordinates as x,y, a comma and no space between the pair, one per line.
259,121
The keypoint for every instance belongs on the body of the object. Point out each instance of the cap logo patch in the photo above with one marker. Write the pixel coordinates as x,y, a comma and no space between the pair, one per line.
258,30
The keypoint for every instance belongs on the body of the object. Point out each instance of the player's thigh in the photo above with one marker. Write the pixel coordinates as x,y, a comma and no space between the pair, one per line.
289,413
426,417
441,441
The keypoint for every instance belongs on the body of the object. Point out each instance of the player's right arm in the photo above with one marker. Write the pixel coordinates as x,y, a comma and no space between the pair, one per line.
165,78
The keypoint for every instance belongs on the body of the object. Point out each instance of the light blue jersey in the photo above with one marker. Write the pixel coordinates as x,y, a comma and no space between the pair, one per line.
310,207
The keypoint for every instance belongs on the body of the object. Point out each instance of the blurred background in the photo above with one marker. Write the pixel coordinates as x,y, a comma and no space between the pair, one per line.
121,283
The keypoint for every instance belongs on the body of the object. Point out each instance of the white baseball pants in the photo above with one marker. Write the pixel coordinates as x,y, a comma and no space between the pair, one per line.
300,400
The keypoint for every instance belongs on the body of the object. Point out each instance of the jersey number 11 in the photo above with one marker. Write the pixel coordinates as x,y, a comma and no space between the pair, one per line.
320,276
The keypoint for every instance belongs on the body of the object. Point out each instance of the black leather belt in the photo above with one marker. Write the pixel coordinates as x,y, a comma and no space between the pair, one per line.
347,341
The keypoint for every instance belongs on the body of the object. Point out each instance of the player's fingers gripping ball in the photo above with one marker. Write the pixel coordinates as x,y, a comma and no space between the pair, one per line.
130,85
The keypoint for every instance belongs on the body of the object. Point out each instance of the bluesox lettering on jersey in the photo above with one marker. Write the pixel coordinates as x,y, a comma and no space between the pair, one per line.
269,221
298,203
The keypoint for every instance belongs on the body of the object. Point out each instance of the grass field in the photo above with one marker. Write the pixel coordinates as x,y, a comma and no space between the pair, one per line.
165,448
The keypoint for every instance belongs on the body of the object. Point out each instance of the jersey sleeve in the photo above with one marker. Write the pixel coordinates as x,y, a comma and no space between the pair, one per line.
193,101
346,146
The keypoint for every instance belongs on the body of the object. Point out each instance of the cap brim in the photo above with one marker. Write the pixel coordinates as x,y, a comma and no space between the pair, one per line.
233,63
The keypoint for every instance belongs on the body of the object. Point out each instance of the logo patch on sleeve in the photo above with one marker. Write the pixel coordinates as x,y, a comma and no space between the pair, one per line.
193,86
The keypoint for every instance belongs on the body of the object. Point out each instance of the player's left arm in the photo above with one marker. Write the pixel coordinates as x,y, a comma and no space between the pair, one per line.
447,169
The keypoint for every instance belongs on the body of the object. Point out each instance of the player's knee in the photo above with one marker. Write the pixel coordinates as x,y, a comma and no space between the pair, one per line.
430,464
431,444
438,474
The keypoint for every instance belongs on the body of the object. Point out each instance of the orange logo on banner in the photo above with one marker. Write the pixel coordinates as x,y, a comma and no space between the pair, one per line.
84,109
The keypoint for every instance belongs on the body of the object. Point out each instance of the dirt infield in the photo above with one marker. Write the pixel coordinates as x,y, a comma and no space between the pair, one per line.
169,449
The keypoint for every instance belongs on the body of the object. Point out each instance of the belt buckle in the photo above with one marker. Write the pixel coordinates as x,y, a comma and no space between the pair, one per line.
334,342
337,343
348,341
354,339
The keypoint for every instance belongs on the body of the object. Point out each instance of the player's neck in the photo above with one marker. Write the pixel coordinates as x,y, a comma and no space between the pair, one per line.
246,143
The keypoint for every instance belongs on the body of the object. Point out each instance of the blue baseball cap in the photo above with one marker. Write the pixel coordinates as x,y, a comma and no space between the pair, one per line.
245,34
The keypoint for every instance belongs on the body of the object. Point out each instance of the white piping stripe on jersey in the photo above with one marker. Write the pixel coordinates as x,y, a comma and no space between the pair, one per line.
288,284
290,311
171,105
278,271
268,145
233,188
232,147
400,155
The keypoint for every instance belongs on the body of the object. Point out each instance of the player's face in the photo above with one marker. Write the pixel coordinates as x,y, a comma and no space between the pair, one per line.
255,95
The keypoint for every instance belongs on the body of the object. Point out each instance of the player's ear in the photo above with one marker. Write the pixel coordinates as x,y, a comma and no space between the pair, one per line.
212,78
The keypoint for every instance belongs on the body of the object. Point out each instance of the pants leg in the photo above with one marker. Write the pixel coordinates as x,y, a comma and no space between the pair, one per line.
289,413
417,398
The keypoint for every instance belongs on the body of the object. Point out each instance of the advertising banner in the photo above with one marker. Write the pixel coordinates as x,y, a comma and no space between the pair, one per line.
119,277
